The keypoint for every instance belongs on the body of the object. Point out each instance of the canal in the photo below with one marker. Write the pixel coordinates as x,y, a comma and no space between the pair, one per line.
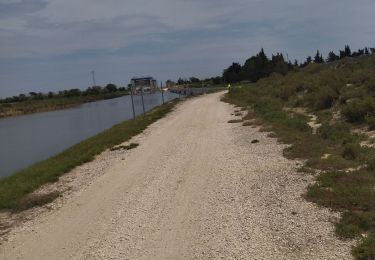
25,140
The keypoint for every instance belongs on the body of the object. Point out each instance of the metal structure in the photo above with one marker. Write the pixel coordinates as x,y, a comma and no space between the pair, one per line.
144,84
93,78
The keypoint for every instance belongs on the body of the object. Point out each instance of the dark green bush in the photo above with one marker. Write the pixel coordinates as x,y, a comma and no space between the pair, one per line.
370,121
353,224
338,133
357,110
324,98
366,249
351,151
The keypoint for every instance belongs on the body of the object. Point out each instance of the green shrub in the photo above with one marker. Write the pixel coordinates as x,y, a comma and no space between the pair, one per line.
370,121
353,224
371,85
366,249
324,98
351,151
357,110
338,133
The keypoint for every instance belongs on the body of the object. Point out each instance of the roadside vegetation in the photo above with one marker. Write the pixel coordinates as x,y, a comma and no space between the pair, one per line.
40,102
15,190
326,112
194,82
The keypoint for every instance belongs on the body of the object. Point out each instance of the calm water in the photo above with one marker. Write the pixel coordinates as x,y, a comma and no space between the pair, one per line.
25,140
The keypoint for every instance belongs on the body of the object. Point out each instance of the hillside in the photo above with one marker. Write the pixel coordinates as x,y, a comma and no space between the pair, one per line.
327,113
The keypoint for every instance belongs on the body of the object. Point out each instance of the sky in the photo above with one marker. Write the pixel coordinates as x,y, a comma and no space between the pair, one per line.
51,45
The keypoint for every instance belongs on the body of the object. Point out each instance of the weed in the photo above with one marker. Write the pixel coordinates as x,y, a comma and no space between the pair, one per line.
34,200
351,151
125,147
353,224
366,249
235,121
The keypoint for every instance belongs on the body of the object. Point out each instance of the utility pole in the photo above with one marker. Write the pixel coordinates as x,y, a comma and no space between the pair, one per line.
93,78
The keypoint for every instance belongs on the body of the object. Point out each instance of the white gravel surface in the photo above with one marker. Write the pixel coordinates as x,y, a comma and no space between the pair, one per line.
195,188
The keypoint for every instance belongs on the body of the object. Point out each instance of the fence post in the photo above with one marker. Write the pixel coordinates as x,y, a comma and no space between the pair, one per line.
131,94
143,103
162,92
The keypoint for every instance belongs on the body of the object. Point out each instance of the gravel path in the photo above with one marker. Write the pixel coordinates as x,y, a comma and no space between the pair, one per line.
195,188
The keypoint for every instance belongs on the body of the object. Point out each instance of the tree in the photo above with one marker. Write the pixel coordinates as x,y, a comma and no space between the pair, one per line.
232,73
318,57
308,59
217,80
95,90
111,87
256,67
182,81
22,97
358,53
367,51
332,57
74,92
278,64
346,52
194,80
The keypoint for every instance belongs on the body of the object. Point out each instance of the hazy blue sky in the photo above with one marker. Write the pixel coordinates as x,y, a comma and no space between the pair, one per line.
54,44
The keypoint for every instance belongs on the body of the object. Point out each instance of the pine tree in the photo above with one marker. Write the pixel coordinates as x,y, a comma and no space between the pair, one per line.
308,60
332,57
317,57
347,51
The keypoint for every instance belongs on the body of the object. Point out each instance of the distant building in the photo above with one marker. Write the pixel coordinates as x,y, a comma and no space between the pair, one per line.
147,84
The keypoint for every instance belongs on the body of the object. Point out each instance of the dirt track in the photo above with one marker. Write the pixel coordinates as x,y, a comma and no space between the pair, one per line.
195,188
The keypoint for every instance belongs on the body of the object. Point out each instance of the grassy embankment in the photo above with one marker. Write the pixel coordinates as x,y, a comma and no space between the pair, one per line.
43,105
342,97
15,190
